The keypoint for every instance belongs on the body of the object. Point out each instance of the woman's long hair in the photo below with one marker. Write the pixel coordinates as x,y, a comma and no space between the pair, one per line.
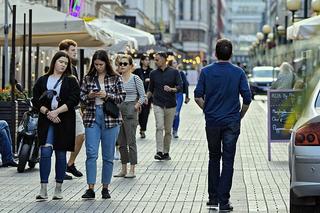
58,55
103,56
144,57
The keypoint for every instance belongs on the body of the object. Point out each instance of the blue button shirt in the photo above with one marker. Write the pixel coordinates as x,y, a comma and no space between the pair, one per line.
220,84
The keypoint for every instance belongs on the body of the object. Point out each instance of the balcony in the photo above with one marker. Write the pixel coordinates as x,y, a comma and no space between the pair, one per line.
188,24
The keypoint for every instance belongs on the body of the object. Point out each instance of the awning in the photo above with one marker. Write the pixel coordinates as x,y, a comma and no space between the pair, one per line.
115,28
49,27
120,40
304,29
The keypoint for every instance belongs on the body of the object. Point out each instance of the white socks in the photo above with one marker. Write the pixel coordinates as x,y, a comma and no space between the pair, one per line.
58,192
43,192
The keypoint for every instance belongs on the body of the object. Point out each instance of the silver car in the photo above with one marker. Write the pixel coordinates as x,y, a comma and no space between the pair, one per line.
304,157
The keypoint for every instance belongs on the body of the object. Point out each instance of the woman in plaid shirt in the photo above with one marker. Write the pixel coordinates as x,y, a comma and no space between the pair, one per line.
101,83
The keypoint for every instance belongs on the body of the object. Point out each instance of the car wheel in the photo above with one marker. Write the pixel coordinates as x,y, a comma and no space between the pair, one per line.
297,204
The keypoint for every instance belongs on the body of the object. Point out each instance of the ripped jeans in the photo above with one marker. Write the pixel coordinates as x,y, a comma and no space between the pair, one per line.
45,160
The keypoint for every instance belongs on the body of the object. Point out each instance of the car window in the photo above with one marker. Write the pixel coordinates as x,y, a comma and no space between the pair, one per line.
318,100
262,73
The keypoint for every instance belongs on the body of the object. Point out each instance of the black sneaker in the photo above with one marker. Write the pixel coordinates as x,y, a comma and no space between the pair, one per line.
142,135
73,170
166,156
226,207
158,156
67,177
10,164
89,194
212,203
105,193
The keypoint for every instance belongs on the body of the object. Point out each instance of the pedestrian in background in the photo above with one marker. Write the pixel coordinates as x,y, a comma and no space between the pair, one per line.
165,82
70,47
218,97
6,145
179,96
286,78
144,73
100,85
117,69
55,95
130,108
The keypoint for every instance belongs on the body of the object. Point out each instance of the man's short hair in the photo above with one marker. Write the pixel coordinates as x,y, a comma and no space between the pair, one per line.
162,54
224,49
66,43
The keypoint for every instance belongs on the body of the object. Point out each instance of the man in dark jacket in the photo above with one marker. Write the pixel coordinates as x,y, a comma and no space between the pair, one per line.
165,82
217,94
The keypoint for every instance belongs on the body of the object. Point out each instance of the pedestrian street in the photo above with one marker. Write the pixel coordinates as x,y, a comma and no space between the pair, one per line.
179,185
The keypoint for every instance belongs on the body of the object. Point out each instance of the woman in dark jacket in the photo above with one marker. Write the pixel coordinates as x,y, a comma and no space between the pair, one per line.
55,95
144,73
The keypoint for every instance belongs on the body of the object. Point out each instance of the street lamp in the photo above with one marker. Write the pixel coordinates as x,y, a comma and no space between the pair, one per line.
293,6
266,29
259,36
315,4
281,31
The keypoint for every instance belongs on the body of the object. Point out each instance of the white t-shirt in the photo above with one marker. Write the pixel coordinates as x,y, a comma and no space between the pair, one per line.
99,101
52,80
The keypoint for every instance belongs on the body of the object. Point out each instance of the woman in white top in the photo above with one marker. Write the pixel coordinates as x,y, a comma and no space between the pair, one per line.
130,108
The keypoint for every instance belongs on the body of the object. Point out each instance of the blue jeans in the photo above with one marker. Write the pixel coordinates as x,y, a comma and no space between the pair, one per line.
176,120
5,142
108,137
45,160
219,185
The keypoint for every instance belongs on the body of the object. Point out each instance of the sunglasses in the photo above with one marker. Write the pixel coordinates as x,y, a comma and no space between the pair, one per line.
123,64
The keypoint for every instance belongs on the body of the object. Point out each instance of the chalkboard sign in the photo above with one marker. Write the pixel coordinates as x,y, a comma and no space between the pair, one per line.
282,106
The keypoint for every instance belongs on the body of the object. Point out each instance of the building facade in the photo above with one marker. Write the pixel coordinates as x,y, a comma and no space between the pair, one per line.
192,27
244,20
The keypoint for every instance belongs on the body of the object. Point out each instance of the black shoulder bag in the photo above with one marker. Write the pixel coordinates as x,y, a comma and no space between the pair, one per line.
52,92
109,107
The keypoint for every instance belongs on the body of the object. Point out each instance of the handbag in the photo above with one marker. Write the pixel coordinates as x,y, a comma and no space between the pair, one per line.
111,109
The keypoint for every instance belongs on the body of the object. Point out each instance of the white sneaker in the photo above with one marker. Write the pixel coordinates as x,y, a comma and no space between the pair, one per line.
116,155
175,135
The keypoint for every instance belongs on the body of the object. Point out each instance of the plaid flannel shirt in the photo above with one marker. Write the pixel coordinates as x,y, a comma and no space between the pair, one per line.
115,91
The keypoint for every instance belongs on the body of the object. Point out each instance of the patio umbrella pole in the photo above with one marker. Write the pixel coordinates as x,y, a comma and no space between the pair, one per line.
23,71
5,63
12,78
37,63
30,54
81,65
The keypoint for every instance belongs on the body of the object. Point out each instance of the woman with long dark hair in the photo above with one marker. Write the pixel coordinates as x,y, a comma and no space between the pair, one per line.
55,95
144,73
102,84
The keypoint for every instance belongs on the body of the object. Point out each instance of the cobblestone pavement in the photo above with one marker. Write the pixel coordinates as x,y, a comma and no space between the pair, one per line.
179,185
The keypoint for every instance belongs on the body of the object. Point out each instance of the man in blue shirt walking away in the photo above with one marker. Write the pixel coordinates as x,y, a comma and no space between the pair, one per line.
217,93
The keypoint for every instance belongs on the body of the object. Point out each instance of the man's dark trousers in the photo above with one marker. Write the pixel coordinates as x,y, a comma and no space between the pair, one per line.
219,185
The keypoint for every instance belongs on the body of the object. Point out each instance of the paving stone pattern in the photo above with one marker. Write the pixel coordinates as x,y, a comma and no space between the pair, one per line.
179,185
